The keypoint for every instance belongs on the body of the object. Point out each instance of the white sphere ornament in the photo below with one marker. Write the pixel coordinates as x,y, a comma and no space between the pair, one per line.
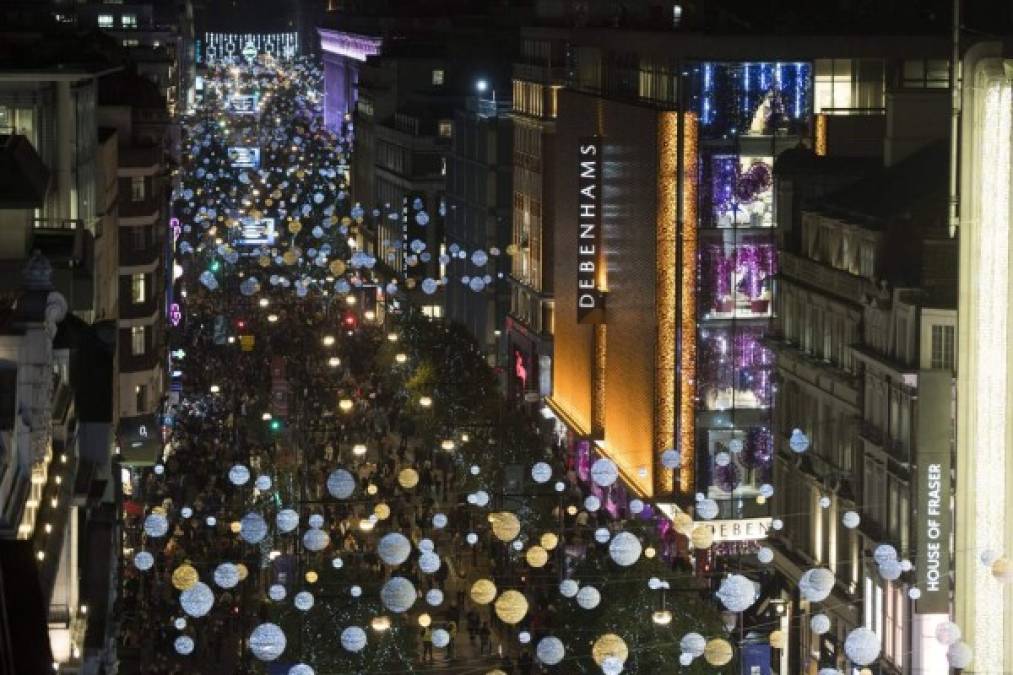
179,623
825,502
602,535
186,512
541,472
183,645
144,561
287,520
636,506
471,538
914,593
316,521
819,624
393,548
434,597
550,650
481,498
670,459
303,601
568,588
883,553
777,524
340,484
239,475
625,549
693,644
159,469
685,659
524,637
315,540
959,654
440,521
429,562
765,555
612,665
707,509
398,595
226,575
276,592
301,669
588,597
156,525
441,638
262,483
798,441
737,593
828,671
948,633
816,584
197,600
426,544
851,519
353,639
722,459
253,528
267,642
211,521
604,472
767,490
592,503
355,591
890,570
559,486
337,563
862,646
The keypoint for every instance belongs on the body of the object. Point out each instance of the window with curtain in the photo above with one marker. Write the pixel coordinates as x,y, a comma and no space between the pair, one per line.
138,336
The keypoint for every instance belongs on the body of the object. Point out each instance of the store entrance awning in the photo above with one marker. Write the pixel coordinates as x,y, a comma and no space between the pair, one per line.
140,440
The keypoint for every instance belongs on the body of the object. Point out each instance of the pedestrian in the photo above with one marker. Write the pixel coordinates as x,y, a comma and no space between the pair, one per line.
452,630
483,639
427,644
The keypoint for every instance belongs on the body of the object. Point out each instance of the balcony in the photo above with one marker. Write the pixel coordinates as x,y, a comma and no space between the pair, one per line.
829,280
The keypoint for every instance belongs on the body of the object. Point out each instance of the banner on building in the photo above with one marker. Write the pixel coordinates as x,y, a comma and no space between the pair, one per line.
244,157
933,518
590,300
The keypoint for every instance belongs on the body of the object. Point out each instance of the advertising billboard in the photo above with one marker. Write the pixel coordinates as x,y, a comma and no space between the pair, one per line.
244,157
243,104
257,232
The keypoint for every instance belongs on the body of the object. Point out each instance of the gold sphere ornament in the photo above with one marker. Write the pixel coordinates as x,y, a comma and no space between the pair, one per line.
408,478
264,261
702,537
290,257
609,645
683,523
537,556
235,526
483,591
337,267
777,639
1002,570
549,541
717,652
505,525
345,220
295,227
511,606
382,511
243,571
184,577
425,620
311,577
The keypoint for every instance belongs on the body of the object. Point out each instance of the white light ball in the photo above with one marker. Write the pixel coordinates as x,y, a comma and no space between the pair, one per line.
316,521
434,597
604,472
340,484
211,521
654,583
906,565
426,544
429,562
559,487
602,535
550,650
355,591
179,623
262,483
592,503
144,561
959,655
777,524
862,646
481,498
439,521
197,600
670,459
301,669
914,593
226,575
825,502
267,642
722,459
816,584
588,597
636,506
685,659
568,588
517,545
276,592
353,639
829,671
989,556
337,563
693,644
851,519
883,553
156,525
948,633
541,472
890,570
304,601
398,595
737,593
287,520
393,548
441,638
524,637
186,512
239,475
707,509
253,528
183,645
798,441
625,549
767,490
765,555
471,538
820,624
611,665
315,540
159,469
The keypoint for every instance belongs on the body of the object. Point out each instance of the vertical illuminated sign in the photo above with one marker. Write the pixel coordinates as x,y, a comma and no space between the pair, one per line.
590,301
934,521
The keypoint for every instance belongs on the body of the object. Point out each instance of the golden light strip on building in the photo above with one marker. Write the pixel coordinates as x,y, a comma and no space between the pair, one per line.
820,135
598,381
990,387
665,296
687,305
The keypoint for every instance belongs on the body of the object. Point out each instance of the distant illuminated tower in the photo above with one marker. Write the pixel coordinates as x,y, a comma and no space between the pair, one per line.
984,495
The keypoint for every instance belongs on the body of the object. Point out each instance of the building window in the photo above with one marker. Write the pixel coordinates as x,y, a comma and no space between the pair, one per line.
105,20
942,347
137,188
138,335
843,86
446,128
926,74
438,77
131,42
140,396
139,238
137,288
128,21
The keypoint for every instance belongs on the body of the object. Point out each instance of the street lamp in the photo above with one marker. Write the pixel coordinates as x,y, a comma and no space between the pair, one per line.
334,362
481,86
400,357
425,401
345,404
328,340
359,449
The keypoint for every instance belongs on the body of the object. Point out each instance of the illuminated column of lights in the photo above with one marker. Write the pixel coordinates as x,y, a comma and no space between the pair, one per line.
990,372
820,135
665,296
687,305
598,381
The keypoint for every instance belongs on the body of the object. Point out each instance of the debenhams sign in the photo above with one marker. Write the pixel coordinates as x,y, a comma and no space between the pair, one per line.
590,301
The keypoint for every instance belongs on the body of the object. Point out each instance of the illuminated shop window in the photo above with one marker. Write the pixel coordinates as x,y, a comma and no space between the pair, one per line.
128,21
438,76
105,20
446,128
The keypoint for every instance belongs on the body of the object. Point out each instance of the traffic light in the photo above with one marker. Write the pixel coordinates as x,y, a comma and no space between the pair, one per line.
350,320
275,425
240,324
